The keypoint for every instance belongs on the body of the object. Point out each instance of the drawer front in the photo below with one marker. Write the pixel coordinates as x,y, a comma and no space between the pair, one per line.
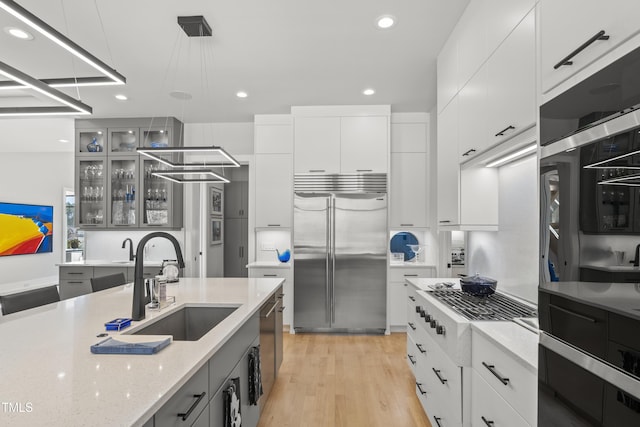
224,360
489,409
76,273
74,287
440,415
400,274
412,354
521,388
190,400
268,272
443,381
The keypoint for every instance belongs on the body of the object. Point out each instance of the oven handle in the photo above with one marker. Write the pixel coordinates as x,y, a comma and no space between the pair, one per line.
597,367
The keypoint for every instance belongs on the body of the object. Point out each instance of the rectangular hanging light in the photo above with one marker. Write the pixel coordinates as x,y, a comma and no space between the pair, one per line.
190,157
186,176
110,76
70,106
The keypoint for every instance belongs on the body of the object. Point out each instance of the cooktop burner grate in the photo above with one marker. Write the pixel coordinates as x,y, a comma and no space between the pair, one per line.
492,307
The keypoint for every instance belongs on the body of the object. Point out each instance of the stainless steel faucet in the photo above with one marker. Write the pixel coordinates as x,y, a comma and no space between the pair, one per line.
130,247
139,298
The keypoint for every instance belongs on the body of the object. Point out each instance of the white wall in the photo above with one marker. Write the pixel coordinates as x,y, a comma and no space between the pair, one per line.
510,255
35,178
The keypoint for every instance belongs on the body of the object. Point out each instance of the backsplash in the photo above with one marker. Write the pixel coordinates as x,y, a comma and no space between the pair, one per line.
267,241
107,245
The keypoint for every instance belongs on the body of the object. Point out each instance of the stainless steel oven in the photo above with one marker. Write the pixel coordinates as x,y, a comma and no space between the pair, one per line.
589,293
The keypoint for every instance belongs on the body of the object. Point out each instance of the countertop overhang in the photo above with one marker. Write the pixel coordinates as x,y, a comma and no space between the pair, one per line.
46,363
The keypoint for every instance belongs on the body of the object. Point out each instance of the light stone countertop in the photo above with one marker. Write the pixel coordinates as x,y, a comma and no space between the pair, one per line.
612,268
46,363
410,265
514,339
108,263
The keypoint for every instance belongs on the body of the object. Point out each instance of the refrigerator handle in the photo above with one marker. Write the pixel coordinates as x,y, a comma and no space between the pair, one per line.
327,281
333,259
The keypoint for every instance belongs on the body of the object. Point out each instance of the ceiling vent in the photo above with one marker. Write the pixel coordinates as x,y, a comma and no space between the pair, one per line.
195,26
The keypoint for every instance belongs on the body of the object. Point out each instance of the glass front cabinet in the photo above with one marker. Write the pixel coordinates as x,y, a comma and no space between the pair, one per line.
116,185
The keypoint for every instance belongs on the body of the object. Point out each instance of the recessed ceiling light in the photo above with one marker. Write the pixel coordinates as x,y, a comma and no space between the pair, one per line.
385,21
242,94
121,97
368,92
18,33
181,95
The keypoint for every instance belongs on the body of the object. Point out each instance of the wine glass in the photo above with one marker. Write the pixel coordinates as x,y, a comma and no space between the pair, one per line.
417,250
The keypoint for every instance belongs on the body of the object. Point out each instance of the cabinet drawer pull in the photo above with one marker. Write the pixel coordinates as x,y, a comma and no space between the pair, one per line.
422,350
437,372
410,275
437,420
406,225
473,150
76,272
273,225
445,221
198,397
487,422
574,314
501,133
412,326
492,369
270,275
270,311
75,283
282,309
419,385
600,35
281,295
364,170
411,359
412,298
316,170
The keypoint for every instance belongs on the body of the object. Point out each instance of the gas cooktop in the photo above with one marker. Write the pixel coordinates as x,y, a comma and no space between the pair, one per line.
492,307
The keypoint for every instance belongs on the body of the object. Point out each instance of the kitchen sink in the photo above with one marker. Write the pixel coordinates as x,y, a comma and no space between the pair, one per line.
188,323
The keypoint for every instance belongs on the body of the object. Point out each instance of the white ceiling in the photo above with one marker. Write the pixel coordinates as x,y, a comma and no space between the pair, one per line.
281,52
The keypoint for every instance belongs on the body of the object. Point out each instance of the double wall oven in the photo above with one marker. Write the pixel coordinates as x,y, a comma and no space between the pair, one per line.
589,293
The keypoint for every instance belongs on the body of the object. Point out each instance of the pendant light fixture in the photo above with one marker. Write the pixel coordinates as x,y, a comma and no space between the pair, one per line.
191,164
109,76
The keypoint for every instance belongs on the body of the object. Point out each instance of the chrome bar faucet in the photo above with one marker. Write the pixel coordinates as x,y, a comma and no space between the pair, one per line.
139,298
130,247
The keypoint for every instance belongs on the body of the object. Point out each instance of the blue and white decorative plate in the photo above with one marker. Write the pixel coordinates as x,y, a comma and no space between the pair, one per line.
399,243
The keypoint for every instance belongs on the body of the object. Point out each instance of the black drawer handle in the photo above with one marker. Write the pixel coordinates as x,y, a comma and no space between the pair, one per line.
412,326
492,369
281,295
411,359
501,133
574,314
410,275
419,385
364,170
600,35
422,350
282,309
316,170
270,275
444,221
273,225
487,422
406,225
437,372
75,283
199,397
76,272
412,298
437,420
466,153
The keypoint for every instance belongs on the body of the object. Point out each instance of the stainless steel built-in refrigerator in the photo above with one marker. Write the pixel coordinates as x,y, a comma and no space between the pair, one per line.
340,239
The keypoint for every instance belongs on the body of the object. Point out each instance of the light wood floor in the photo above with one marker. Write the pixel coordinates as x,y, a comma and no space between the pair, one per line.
344,380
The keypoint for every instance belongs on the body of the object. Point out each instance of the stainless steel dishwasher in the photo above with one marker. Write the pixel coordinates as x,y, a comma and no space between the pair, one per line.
268,344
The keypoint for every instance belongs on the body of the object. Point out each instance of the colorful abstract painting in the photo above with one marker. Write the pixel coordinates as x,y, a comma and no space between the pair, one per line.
25,229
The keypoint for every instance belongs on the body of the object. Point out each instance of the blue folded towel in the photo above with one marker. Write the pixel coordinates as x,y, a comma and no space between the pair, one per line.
132,344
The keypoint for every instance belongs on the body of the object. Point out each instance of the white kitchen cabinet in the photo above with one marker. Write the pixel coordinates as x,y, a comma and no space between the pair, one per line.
447,71
448,166
274,138
488,408
503,372
409,133
409,191
317,144
273,190
398,294
472,47
479,200
285,273
566,25
472,116
501,17
511,83
364,144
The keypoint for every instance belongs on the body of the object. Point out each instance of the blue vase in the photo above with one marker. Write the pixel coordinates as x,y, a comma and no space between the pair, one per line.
284,256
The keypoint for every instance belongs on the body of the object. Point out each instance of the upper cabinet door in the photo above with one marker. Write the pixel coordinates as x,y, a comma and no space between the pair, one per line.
448,169
409,193
124,140
472,123
448,71
501,17
317,144
472,46
364,144
566,25
511,85
273,190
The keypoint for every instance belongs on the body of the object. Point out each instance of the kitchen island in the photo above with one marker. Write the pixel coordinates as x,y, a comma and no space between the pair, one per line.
51,378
